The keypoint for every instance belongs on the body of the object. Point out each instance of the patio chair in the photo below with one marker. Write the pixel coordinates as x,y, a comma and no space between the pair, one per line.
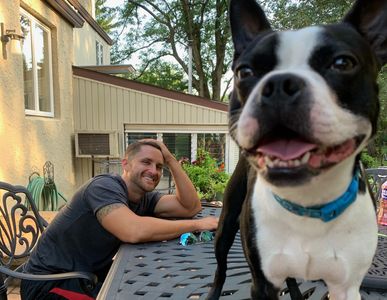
20,230
377,177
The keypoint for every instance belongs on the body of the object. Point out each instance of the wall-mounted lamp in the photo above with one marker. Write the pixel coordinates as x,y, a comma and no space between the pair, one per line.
8,35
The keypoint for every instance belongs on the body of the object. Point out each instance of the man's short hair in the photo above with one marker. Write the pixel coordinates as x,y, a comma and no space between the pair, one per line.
135,147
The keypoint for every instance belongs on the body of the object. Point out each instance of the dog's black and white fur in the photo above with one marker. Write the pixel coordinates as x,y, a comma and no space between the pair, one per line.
304,105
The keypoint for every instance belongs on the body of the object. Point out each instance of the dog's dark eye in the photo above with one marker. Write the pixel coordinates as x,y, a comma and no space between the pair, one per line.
343,63
244,73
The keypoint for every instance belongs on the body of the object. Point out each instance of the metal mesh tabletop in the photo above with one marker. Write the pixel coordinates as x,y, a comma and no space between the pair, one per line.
168,270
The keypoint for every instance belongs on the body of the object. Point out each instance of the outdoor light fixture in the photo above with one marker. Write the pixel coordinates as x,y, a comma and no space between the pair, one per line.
8,35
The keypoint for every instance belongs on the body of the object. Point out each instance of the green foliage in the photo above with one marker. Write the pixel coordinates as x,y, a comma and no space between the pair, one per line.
158,31
368,161
105,16
286,14
163,74
208,178
381,137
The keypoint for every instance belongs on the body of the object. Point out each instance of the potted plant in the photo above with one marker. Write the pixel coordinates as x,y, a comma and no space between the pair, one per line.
207,176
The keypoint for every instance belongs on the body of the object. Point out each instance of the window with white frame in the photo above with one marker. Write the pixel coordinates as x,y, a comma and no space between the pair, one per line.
185,145
37,66
99,53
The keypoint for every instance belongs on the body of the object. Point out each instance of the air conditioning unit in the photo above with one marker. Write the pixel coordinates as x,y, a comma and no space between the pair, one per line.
96,144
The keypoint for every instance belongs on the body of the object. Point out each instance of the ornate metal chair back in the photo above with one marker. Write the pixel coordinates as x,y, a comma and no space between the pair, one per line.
20,228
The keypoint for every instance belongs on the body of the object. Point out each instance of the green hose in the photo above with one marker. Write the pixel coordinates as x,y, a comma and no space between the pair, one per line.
45,196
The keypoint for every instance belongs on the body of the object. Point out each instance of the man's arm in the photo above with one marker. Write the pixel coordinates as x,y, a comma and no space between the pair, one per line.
185,203
120,221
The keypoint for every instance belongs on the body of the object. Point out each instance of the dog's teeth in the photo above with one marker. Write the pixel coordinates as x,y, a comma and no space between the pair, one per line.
283,164
305,158
268,162
296,163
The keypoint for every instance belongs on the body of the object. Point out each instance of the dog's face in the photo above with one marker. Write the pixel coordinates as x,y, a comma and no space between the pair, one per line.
303,101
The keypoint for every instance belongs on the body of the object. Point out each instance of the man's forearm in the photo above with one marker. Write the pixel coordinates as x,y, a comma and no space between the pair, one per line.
154,229
185,191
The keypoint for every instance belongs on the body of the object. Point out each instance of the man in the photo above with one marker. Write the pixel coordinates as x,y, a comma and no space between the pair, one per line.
108,210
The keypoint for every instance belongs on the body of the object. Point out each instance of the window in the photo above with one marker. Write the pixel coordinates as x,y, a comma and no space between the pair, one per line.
37,68
178,143
184,144
99,53
213,143
134,136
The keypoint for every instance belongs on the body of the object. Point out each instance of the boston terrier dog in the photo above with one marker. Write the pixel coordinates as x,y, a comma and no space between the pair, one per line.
304,105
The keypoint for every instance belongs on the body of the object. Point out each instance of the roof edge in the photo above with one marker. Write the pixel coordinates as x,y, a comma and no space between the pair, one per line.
67,12
89,19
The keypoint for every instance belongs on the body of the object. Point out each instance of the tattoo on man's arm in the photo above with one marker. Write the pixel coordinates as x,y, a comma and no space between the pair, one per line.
104,211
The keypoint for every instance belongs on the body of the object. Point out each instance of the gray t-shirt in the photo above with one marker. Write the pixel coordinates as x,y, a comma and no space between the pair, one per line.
75,240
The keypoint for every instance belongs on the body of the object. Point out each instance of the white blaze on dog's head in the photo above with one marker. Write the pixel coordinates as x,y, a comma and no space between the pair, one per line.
295,48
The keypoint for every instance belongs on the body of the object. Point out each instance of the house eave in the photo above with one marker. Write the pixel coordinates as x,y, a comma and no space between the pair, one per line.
67,12
89,19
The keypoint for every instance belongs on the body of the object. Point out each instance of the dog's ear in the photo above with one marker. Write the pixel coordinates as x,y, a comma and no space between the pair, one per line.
247,19
369,17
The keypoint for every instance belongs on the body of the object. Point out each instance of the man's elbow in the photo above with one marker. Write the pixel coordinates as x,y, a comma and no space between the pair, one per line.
134,237
194,211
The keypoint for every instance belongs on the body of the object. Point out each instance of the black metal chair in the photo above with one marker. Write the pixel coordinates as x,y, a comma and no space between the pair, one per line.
377,177
20,230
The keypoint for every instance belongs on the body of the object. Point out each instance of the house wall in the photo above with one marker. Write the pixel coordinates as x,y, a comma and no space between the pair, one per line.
85,49
100,106
27,142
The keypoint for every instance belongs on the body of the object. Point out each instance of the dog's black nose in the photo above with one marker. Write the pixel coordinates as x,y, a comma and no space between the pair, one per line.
282,88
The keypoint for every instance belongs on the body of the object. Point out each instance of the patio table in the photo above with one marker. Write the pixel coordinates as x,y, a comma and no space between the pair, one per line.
168,270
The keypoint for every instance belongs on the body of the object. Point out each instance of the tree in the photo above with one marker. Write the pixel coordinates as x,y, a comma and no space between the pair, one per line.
160,29
163,74
296,14
105,16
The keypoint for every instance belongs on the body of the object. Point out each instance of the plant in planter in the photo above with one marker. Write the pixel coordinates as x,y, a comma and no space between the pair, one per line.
208,178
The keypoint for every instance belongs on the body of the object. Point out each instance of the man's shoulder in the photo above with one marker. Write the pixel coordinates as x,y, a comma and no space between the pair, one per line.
107,176
103,183
107,179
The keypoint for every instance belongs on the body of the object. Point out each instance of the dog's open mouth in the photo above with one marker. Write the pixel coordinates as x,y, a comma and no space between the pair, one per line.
296,152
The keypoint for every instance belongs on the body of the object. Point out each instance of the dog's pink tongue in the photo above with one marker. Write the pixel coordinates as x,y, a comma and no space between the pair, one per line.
286,149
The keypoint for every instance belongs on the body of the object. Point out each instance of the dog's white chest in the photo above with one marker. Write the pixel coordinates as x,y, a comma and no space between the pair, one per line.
292,246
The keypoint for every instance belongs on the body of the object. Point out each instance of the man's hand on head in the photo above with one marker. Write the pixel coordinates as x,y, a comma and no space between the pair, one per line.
168,156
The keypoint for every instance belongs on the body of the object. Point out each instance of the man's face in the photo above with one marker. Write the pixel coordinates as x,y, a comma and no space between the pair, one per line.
145,168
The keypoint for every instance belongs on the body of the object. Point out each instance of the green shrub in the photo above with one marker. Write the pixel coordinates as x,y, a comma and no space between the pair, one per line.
368,161
208,178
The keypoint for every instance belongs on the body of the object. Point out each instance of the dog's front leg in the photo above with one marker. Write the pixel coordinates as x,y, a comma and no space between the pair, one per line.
228,224
337,292
261,288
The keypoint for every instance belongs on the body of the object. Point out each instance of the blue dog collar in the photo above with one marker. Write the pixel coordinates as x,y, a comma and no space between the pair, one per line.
326,212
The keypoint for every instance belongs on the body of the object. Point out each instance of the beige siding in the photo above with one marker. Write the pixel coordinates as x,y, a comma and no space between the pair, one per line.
99,107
